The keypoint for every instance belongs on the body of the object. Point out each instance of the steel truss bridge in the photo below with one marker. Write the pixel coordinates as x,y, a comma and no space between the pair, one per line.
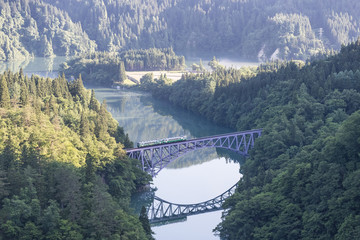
155,158
161,211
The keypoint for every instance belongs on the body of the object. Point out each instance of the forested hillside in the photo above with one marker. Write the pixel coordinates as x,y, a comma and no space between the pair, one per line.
242,27
63,171
256,29
301,181
34,28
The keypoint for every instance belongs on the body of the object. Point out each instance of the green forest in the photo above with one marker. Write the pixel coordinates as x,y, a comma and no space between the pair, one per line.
152,59
63,171
98,68
107,69
252,29
301,181
31,28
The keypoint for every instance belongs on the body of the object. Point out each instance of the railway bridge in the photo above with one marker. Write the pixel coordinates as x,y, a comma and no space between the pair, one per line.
154,158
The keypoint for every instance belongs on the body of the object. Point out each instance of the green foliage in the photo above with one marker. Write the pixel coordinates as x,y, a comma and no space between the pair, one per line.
145,222
4,93
266,29
147,79
214,64
152,59
35,28
301,180
97,68
198,67
296,38
147,82
61,177
251,28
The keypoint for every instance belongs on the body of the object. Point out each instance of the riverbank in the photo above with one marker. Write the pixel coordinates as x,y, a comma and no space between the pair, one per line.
189,179
310,115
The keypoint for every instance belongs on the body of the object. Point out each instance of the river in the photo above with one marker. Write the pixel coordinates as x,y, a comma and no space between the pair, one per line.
193,178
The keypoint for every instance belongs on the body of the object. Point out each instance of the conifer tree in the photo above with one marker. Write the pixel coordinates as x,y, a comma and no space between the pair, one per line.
56,88
84,125
4,93
89,168
53,105
8,155
94,104
29,157
101,127
23,93
32,86
77,88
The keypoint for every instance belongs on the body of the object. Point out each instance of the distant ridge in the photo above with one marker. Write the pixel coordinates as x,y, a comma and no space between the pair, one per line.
242,28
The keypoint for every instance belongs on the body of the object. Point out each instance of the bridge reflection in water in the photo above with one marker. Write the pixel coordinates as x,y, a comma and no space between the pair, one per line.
155,158
162,212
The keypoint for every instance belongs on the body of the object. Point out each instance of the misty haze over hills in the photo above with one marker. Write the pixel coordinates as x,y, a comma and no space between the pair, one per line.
253,29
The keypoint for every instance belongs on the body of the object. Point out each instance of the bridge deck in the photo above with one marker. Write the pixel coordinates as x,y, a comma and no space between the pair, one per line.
155,157
198,139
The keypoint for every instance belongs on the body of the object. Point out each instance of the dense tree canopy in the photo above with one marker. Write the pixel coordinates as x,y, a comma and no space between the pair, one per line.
34,28
63,171
98,68
301,180
250,28
152,59
247,28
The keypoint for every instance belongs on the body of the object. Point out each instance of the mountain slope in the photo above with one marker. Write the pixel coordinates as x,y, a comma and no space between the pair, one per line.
63,171
301,179
242,28
255,29
34,28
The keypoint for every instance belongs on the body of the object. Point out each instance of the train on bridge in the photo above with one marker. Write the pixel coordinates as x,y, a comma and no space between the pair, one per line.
156,154
161,141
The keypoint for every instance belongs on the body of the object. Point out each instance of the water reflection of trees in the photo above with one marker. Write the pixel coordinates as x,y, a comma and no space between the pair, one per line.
195,124
145,118
140,121
14,66
230,155
46,67
49,64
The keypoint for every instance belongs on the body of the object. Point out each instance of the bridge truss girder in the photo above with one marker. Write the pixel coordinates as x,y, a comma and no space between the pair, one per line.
155,158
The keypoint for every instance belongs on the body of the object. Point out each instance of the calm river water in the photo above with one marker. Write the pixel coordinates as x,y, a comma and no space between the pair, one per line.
196,177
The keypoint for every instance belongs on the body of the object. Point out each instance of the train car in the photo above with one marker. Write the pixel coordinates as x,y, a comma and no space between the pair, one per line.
161,141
